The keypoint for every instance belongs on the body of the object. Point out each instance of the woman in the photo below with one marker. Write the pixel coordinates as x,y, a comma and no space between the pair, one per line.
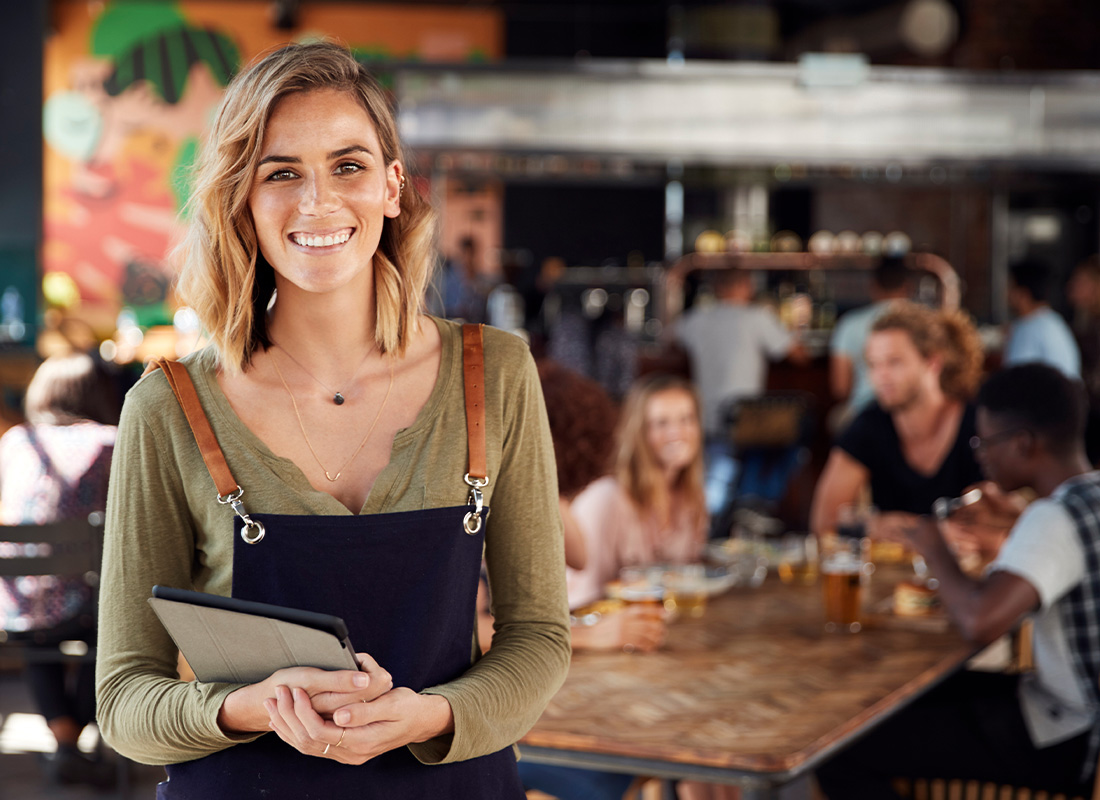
652,510
341,412
582,424
55,467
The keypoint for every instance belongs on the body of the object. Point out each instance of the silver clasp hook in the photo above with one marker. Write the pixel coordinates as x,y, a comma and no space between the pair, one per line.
473,520
253,531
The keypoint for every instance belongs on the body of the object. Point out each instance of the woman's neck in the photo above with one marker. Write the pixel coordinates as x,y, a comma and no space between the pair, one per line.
334,330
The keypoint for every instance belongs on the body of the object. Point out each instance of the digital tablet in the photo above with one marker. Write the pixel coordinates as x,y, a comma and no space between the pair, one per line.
240,641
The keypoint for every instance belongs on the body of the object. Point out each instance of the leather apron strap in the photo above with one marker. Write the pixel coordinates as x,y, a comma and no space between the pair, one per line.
184,390
473,371
473,361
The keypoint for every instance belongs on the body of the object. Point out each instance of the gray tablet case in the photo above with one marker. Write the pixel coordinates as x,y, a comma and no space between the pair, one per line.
234,641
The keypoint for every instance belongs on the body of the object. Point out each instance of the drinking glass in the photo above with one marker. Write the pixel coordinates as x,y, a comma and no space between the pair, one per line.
798,558
641,586
686,587
844,565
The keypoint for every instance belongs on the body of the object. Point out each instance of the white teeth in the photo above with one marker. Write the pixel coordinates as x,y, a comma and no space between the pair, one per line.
328,240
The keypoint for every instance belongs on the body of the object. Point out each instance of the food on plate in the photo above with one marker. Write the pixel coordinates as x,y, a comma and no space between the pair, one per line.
914,599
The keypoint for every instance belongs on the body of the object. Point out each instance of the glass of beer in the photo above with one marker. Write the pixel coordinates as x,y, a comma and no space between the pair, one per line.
842,570
798,558
641,586
687,589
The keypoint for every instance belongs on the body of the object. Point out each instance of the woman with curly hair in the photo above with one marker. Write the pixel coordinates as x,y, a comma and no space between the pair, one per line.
582,424
912,445
360,441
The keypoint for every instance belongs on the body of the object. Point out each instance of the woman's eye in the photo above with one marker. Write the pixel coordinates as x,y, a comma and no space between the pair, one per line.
349,168
280,175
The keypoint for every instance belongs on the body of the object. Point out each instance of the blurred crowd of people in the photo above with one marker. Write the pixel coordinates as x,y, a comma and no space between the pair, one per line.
911,428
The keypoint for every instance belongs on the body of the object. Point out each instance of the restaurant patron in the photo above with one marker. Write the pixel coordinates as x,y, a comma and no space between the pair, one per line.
1038,730
910,446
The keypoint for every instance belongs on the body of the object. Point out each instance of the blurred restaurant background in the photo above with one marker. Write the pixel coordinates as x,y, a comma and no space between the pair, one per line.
594,163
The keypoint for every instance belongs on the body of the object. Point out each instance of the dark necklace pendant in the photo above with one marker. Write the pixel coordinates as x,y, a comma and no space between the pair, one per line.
338,399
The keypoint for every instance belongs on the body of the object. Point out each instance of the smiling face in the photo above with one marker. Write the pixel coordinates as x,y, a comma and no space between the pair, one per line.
322,192
672,428
896,369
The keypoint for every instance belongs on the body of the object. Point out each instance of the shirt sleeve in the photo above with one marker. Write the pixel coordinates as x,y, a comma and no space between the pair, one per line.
502,696
777,340
1044,549
843,342
1022,346
862,438
144,711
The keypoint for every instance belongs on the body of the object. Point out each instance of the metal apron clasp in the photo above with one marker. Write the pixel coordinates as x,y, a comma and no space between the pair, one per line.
253,531
473,520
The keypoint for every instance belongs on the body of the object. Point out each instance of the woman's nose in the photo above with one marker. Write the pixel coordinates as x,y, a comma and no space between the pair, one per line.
318,197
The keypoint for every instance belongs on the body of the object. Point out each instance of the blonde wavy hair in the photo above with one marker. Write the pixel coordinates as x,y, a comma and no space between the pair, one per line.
637,468
224,277
938,332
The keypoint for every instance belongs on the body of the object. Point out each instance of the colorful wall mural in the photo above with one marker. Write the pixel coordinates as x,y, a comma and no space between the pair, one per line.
129,88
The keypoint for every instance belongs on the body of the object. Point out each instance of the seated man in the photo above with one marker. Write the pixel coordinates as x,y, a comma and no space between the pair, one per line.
909,446
1039,730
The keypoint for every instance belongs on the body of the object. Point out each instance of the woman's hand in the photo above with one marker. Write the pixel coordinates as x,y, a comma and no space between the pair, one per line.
636,628
244,710
360,731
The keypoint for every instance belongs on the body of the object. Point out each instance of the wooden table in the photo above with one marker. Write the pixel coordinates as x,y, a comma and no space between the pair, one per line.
755,693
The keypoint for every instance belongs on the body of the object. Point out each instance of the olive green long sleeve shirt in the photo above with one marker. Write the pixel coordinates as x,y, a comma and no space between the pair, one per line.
164,525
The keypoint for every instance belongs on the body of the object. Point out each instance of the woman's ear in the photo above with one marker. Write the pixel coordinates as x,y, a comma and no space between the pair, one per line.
396,185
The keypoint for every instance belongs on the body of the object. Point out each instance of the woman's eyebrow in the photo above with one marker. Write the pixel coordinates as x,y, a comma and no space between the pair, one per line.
343,151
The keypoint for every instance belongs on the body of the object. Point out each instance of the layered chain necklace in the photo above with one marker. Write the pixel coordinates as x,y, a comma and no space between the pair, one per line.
302,427
337,396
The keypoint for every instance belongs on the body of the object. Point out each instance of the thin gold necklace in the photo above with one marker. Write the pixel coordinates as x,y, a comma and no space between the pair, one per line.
297,413
337,396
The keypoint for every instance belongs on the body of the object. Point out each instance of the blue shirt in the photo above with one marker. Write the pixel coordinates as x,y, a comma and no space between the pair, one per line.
1043,336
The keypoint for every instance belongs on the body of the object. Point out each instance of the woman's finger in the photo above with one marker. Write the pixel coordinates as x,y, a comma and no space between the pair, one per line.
366,662
279,727
316,728
284,702
372,681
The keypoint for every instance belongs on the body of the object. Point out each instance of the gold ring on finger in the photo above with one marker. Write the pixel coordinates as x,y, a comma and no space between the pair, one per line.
340,741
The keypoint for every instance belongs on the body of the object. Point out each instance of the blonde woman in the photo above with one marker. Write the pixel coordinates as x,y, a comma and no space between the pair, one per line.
341,412
652,509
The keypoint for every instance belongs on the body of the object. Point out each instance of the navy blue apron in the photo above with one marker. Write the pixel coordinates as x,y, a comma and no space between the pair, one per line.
406,585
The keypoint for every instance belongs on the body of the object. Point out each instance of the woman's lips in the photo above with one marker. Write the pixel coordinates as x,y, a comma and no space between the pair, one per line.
321,239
